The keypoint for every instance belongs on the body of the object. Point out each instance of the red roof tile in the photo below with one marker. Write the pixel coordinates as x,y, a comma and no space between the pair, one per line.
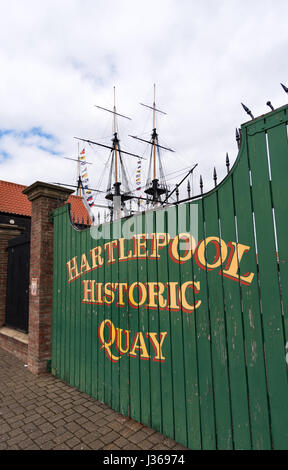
12,201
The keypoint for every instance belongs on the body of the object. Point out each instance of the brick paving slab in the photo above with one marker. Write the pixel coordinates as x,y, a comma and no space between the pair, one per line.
44,413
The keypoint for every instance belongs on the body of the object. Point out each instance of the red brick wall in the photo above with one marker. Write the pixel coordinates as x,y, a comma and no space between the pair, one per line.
41,268
45,198
15,347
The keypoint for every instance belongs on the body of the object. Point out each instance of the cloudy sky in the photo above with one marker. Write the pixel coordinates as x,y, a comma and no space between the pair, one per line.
60,58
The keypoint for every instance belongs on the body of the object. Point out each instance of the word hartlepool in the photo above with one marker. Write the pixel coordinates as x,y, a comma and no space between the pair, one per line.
171,295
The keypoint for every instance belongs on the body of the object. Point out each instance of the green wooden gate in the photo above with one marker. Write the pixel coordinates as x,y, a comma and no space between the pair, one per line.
178,317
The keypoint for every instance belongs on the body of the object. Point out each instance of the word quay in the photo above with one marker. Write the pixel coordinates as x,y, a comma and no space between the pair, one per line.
181,249
138,347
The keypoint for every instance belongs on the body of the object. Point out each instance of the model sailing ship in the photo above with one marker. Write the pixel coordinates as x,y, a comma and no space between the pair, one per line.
118,192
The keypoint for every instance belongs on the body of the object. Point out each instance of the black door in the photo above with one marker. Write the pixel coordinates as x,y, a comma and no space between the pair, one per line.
17,294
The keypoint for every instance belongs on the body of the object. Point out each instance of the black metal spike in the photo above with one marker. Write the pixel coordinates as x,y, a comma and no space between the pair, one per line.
238,138
201,184
98,217
270,105
177,192
189,189
284,87
227,163
247,110
215,176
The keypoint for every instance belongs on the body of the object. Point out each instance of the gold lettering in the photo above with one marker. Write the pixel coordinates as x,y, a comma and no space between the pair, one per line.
157,346
106,345
88,293
185,305
172,286
108,292
159,241
119,348
121,250
156,290
221,253
232,268
189,249
72,267
143,294
84,265
139,344
141,245
96,257
110,248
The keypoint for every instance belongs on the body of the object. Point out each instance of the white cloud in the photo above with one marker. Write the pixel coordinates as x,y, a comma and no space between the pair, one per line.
58,59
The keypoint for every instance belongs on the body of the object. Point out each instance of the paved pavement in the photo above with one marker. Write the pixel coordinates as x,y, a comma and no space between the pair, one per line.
45,413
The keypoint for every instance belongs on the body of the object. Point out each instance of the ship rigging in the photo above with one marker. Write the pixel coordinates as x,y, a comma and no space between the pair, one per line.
118,191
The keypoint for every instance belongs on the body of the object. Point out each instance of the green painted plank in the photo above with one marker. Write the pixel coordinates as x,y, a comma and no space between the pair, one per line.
63,299
83,309
88,320
94,275
57,256
124,325
219,332
234,322
72,307
77,293
155,367
270,296
278,149
165,328
252,318
204,348
178,366
190,338
100,318
67,291
133,314
55,296
108,316
145,414
115,320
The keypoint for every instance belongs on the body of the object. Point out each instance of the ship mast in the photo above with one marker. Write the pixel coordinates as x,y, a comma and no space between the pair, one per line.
115,140
79,181
117,167
154,135
155,188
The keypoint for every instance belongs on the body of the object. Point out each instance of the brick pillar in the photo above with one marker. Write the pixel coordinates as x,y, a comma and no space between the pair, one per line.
7,232
45,198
